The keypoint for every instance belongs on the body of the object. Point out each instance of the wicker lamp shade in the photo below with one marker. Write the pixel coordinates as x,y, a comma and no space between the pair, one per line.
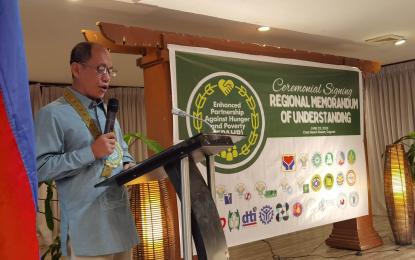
150,206
399,193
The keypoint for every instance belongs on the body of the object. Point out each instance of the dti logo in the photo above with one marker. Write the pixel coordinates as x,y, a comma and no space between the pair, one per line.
288,163
249,219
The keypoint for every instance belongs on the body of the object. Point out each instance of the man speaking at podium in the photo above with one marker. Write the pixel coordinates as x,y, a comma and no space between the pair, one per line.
70,149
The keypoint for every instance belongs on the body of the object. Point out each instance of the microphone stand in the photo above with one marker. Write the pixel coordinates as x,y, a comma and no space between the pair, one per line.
179,112
185,189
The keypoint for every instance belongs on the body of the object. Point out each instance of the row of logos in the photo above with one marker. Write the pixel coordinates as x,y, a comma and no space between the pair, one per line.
261,188
283,211
289,161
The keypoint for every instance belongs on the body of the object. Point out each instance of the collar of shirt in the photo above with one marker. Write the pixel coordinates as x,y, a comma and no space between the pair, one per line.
86,102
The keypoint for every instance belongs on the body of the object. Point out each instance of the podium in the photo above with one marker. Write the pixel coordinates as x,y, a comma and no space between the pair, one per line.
200,217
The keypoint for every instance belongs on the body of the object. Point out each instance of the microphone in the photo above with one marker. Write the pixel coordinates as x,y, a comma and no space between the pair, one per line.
112,109
178,112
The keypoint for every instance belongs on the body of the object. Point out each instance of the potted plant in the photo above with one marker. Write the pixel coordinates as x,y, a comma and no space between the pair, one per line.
411,156
411,152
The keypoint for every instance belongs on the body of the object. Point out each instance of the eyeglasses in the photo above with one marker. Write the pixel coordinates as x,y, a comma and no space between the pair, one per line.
102,70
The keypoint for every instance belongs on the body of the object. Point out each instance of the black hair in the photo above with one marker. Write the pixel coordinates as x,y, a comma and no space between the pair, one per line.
82,52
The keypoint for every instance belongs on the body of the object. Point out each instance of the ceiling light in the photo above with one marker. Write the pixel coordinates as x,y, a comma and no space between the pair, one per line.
263,28
400,42
385,39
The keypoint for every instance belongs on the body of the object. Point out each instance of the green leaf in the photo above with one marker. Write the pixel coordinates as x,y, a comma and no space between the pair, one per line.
128,137
400,140
411,156
152,145
48,210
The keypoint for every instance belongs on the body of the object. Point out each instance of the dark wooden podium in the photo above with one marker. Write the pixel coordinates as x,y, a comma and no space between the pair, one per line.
200,217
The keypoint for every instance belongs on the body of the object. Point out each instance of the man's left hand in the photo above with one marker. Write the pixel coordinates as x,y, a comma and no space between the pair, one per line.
128,165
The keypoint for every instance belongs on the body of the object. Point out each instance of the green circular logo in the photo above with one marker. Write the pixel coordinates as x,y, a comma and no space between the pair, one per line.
316,159
329,158
328,181
351,157
230,104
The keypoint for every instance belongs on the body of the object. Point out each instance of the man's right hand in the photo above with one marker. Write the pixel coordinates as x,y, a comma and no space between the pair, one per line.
104,145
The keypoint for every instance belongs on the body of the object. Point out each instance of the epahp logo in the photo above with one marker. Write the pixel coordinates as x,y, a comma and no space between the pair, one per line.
231,105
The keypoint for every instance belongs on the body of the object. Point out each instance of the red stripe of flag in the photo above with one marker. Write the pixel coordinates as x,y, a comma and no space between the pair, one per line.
18,239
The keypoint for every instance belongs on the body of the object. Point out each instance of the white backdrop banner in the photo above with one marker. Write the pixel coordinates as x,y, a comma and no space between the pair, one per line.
302,163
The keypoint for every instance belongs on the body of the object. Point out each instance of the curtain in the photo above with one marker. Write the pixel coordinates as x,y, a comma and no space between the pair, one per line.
131,117
389,111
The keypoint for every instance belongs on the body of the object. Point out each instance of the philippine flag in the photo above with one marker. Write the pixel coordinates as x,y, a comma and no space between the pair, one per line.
18,184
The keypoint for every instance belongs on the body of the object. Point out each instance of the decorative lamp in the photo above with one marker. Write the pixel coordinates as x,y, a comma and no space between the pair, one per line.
399,193
150,206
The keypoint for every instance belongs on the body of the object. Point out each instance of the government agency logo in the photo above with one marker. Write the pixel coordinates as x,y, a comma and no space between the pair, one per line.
297,209
284,184
249,219
266,214
340,179
316,182
240,189
351,157
220,191
234,220
260,187
270,194
324,204
316,159
340,158
231,105
247,196
228,198
282,212
354,198
300,182
351,177
303,160
342,201
329,158
288,163
223,221
328,181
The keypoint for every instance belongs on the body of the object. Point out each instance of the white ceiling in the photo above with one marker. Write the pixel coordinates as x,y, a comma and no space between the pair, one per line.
52,27
353,20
